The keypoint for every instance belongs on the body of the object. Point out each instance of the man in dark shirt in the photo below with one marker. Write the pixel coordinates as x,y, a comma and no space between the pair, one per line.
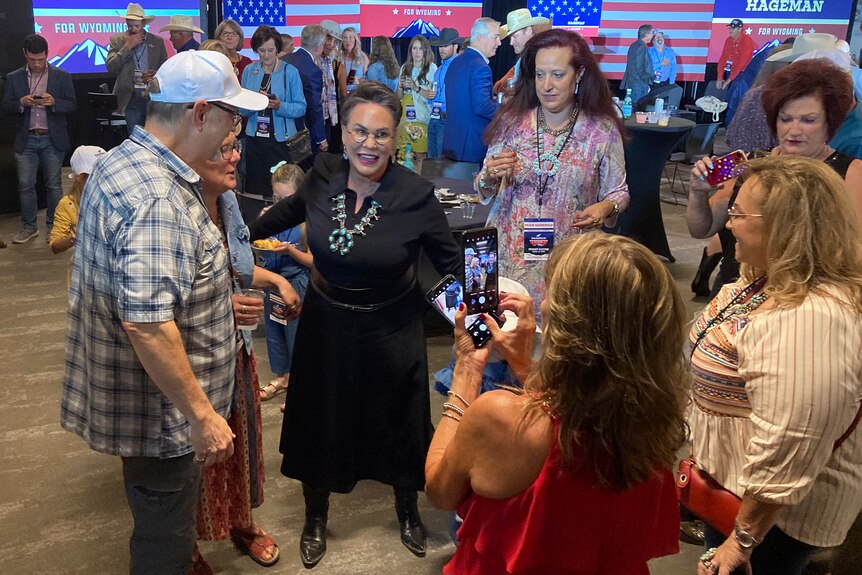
639,73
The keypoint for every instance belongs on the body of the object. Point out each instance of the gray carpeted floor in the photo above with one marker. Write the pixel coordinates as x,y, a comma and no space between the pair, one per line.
62,508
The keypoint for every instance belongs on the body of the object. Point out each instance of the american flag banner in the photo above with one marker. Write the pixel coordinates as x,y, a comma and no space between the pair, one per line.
687,25
582,16
289,16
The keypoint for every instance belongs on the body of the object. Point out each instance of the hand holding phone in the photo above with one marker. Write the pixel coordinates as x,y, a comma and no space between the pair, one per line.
446,296
726,167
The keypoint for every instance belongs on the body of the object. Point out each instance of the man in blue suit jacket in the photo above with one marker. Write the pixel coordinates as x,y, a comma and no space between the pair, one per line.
470,103
303,59
41,96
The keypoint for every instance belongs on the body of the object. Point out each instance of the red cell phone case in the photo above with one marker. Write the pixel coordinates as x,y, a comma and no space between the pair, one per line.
726,168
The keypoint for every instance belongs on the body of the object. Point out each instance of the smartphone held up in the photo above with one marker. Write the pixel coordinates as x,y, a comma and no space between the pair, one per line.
446,296
726,168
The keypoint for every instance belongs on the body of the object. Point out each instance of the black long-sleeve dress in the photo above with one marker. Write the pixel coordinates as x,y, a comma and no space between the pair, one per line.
358,402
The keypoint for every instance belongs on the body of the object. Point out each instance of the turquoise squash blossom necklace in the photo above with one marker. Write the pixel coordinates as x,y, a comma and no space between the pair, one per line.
341,239
547,164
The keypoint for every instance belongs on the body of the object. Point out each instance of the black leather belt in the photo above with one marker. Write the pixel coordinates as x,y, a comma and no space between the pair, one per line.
365,300
39,131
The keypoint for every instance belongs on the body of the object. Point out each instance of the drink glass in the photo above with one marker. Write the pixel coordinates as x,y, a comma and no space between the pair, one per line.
663,118
652,117
257,294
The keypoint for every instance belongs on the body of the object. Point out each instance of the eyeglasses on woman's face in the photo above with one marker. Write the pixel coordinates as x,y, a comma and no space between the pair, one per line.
227,150
380,137
734,212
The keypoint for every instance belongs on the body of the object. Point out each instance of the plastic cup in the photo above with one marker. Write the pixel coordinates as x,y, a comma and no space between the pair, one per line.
468,210
257,294
663,118
652,118
641,117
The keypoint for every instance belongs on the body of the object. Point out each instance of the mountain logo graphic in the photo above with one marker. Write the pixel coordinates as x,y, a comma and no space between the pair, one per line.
417,27
86,57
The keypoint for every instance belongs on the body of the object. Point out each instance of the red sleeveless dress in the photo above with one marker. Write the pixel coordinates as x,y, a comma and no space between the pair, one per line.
563,524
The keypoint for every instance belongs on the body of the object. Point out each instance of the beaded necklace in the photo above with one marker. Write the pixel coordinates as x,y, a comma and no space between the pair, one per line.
341,239
745,301
547,164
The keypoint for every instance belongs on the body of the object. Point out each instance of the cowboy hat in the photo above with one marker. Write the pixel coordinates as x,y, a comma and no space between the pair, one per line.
518,19
136,12
181,24
447,36
803,44
332,28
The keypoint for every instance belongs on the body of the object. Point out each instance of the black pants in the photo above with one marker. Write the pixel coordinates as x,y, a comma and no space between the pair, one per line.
777,554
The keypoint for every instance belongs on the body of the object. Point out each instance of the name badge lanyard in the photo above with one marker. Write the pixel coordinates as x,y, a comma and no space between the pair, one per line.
544,158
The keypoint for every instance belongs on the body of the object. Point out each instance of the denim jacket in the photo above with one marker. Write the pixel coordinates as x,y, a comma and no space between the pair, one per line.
239,246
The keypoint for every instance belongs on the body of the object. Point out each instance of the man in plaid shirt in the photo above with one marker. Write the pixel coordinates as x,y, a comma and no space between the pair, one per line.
151,349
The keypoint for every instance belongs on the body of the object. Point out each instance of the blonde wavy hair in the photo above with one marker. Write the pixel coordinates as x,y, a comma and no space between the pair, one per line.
612,368
811,230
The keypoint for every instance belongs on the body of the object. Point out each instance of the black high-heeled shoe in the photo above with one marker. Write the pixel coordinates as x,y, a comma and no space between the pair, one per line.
312,542
413,534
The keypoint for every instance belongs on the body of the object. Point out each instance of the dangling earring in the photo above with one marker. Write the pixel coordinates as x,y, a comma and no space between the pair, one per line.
577,86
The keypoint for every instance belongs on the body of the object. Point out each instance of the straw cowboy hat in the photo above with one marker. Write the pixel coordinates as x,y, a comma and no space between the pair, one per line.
803,44
518,19
181,24
136,12
332,28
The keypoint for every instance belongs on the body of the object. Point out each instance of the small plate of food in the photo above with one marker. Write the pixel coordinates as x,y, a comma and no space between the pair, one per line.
265,246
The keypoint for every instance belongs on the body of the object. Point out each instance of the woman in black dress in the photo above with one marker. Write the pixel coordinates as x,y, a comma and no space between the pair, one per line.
358,401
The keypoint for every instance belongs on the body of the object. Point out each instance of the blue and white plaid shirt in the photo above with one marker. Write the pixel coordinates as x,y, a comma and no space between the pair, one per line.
146,251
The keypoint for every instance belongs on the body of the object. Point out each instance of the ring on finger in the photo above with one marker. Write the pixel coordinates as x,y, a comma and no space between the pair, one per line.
242,309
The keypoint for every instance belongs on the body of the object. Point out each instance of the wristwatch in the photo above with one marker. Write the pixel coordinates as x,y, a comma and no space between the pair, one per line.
745,539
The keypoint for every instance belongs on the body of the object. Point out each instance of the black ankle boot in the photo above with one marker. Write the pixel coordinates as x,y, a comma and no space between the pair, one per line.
312,542
700,283
412,531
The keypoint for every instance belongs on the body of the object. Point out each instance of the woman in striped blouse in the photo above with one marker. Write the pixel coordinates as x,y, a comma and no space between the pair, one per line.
777,371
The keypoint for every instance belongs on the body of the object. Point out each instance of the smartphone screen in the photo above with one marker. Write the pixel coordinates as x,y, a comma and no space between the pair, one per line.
481,286
445,297
726,167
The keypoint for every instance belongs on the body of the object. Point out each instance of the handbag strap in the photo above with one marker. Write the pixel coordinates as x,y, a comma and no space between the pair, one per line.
850,429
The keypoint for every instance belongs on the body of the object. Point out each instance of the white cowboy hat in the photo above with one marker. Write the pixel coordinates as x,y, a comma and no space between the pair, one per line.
518,19
181,24
803,44
136,12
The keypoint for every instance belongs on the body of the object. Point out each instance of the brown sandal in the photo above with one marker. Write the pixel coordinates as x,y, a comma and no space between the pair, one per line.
256,544
271,389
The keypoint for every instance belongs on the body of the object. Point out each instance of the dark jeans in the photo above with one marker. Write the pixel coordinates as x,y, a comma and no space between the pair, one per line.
777,554
39,152
163,496
136,113
435,138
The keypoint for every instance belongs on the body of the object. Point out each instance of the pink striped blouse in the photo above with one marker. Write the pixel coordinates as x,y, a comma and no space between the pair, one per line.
772,392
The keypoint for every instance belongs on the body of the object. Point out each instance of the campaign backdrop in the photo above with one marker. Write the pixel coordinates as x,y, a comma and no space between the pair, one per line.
78,32
767,20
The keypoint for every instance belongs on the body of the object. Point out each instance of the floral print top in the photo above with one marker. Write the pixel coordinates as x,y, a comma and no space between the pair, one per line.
592,169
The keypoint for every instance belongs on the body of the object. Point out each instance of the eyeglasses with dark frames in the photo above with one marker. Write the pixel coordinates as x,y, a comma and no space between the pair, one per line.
360,135
227,150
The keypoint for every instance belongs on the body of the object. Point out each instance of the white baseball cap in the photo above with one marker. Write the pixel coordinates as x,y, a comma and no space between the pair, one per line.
202,75
84,158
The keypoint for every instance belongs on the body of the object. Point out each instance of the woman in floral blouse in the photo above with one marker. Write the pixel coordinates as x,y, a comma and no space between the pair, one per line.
555,157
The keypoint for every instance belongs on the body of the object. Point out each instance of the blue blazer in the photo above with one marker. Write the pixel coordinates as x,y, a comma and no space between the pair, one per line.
470,106
60,86
312,87
285,84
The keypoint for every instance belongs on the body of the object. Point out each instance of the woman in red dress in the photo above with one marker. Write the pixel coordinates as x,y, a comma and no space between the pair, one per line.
572,476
